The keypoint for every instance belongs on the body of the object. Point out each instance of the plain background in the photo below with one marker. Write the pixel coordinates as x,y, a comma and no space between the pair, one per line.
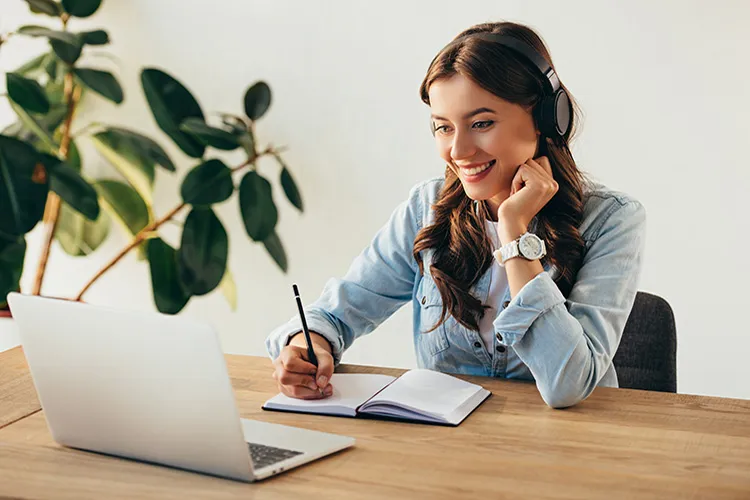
663,86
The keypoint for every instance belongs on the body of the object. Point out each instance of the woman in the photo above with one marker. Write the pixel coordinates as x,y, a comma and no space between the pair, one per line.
516,265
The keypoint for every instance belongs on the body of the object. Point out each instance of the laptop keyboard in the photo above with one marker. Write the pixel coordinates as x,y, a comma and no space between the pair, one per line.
263,455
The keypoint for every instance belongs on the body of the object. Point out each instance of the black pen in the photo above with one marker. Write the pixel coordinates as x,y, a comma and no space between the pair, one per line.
310,353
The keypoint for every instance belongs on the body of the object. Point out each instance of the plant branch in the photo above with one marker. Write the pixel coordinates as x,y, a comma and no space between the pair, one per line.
147,231
52,208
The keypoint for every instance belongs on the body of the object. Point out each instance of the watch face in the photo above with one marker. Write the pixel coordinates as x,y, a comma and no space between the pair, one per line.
530,247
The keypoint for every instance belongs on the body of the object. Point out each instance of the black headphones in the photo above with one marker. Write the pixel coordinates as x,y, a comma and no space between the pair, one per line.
552,113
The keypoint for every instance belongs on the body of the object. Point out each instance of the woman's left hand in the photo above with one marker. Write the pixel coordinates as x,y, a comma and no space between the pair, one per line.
532,188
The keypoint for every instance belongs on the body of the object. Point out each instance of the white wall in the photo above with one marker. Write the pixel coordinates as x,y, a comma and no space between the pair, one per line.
663,86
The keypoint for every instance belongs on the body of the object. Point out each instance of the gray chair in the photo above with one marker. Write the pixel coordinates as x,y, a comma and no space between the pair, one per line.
647,356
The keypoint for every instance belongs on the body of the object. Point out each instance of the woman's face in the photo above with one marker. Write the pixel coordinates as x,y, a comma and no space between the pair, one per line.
482,137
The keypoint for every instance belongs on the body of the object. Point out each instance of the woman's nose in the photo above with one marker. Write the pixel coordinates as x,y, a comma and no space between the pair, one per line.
463,146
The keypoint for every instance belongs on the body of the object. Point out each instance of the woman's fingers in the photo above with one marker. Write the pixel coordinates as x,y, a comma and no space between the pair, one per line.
298,392
291,359
543,173
518,181
290,378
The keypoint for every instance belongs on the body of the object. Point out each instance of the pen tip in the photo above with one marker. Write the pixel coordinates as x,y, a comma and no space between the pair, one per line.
294,287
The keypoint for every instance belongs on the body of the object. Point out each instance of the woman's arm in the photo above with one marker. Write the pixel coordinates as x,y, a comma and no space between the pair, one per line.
569,345
377,284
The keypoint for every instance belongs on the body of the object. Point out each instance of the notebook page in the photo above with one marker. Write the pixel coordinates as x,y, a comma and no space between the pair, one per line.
350,390
426,391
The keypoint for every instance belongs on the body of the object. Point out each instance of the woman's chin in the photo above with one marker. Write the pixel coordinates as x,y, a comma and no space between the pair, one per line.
482,193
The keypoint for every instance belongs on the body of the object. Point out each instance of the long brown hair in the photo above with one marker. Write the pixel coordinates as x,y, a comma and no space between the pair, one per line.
462,249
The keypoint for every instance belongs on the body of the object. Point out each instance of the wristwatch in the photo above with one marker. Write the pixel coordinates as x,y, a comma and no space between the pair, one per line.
528,245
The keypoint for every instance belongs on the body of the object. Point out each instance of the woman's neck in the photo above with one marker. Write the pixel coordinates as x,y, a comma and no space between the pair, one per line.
493,204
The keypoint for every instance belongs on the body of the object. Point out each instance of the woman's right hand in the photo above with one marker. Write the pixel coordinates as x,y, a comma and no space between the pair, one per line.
296,376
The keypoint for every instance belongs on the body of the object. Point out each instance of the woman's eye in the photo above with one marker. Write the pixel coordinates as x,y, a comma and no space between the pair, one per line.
440,129
483,124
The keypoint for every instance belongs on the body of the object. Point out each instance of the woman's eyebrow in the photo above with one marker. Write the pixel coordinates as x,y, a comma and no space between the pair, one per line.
469,114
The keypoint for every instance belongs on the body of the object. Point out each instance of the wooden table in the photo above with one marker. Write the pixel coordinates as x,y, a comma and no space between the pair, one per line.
617,444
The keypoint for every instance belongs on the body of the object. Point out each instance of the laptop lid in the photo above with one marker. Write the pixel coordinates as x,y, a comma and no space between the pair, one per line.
140,385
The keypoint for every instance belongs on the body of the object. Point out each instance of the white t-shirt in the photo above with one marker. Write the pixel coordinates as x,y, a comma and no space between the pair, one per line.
498,284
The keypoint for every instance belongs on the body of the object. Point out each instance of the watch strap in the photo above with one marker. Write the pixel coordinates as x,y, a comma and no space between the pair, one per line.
507,252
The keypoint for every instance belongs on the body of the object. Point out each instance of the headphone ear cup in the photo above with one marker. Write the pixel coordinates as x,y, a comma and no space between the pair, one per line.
562,110
544,113
552,115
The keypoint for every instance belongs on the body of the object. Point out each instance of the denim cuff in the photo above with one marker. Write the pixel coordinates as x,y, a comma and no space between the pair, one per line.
536,297
280,337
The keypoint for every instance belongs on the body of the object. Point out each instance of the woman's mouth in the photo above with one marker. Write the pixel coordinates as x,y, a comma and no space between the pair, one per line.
477,173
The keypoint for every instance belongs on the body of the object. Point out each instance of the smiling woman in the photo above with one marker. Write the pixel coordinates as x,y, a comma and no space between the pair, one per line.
516,265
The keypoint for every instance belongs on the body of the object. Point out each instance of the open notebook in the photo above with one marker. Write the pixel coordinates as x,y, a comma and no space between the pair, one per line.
417,395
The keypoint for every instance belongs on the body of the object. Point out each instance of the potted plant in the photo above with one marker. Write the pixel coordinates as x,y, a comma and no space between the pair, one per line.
43,177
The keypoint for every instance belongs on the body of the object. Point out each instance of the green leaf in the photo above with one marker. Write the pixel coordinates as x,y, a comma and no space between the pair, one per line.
124,204
79,236
275,249
239,129
128,206
130,156
35,127
103,83
12,253
81,8
72,188
210,136
257,100
65,51
50,65
247,142
33,65
256,206
290,187
234,122
96,37
27,93
169,295
24,185
65,44
229,289
45,7
203,253
208,183
171,104
15,129
61,36
74,157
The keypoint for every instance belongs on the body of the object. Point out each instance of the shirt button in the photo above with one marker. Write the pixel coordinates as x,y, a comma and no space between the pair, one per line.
506,304
424,299
499,337
477,344
500,348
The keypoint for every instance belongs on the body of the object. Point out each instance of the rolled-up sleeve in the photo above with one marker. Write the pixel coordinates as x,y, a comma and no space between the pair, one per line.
568,344
379,281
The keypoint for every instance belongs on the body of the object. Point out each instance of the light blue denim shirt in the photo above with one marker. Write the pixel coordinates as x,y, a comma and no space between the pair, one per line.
565,345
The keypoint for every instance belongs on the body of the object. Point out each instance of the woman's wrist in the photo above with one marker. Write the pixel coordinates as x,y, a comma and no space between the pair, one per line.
317,340
509,231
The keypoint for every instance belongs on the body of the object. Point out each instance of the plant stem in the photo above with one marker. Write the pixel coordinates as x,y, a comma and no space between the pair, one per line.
142,235
52,208
146,232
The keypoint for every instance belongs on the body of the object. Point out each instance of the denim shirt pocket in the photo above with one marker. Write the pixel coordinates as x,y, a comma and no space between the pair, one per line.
431,306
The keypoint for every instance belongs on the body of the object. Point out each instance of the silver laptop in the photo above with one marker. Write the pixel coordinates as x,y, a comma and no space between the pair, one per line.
150,387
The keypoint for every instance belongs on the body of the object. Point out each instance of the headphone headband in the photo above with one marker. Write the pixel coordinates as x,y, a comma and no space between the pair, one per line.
528,52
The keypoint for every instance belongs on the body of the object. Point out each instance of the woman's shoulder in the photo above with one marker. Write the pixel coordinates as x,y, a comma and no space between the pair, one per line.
602,203
429,189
